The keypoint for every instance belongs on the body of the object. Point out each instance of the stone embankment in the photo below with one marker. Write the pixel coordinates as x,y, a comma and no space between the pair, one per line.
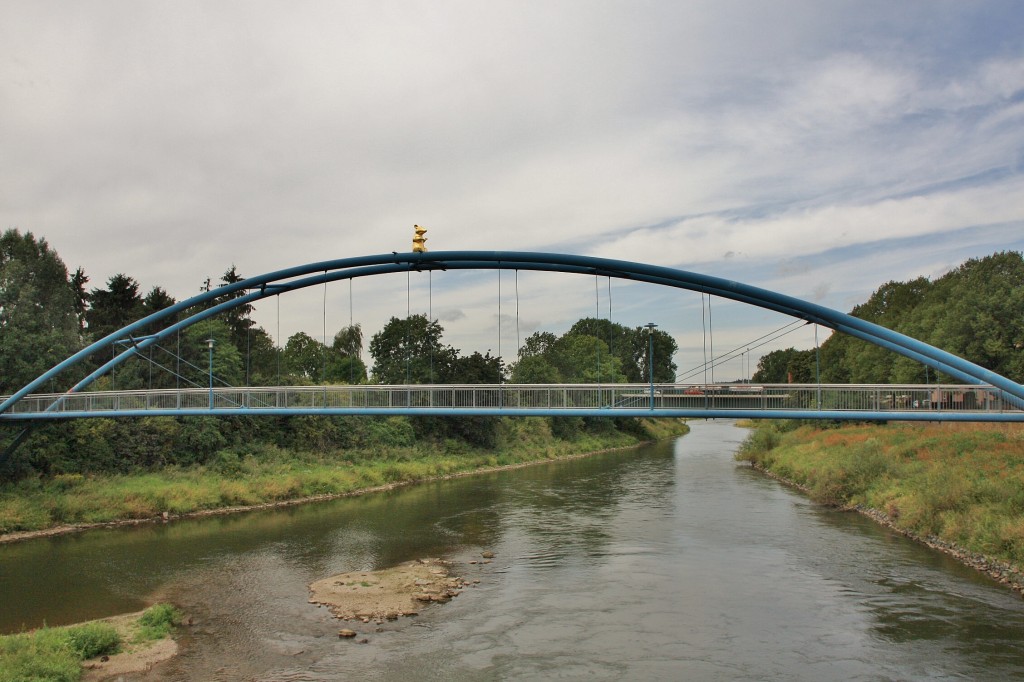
1002,572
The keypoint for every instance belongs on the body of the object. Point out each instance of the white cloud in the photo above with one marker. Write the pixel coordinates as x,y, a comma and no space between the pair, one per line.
170,141
804,232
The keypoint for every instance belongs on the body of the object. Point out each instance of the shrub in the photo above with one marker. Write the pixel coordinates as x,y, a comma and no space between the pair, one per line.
93,639
227,463
761,441
395,432
566,428
198,440
157,622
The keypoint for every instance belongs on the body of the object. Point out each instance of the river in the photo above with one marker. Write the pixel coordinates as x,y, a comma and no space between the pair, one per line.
667,562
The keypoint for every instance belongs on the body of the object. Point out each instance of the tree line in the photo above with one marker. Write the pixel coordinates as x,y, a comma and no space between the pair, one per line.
47,313
975,311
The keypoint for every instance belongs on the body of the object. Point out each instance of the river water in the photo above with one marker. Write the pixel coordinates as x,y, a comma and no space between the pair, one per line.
668,562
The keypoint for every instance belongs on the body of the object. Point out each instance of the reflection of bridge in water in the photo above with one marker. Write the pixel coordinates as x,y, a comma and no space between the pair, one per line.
946,402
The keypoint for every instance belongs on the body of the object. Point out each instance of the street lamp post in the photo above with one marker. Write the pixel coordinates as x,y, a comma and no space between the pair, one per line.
209,344
650,358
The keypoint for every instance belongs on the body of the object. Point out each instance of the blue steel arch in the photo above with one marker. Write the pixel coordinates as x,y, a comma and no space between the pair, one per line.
312,274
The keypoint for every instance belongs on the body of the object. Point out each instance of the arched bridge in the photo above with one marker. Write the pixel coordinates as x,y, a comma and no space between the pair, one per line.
983,395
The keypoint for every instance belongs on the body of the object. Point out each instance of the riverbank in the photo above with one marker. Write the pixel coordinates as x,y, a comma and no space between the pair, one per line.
956,488
271,477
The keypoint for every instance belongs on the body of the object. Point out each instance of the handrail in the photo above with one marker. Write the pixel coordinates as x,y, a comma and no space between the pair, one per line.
934,402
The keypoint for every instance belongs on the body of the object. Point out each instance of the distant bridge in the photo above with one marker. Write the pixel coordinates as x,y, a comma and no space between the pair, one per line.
910,402
985,396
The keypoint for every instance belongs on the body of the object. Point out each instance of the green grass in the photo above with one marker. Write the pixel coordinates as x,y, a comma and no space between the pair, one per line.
267,474
56,654
962,484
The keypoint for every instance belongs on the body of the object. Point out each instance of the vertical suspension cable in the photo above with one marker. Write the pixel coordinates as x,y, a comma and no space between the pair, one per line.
323,349
499,310
351,364
817,364
711,337
248,353
704,336
611,341
611,335
501,397
408,322
177,374
280,346
518,343
597,319
430,316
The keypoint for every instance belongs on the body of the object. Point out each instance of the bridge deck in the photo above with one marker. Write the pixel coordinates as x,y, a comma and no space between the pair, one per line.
834,401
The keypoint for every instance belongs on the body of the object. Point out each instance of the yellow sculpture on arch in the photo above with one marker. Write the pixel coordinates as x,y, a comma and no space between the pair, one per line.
419,242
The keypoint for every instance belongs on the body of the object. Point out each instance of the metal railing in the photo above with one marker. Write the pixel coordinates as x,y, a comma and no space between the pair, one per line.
510,398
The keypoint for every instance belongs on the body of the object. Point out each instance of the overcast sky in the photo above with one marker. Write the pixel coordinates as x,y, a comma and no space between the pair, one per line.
816,148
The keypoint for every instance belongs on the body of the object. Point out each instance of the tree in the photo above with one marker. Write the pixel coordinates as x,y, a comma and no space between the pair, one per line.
975,311
785,366
574,357
410,351
78,282
345,369
628,345
534,365
535,369
477,369
238,318
583,359
664,350
38,311
349,340
148,373
114,307
156,300
228,365
304,357
263,359
345,362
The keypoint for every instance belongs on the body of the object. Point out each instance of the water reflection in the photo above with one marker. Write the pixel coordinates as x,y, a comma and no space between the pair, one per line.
111,571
